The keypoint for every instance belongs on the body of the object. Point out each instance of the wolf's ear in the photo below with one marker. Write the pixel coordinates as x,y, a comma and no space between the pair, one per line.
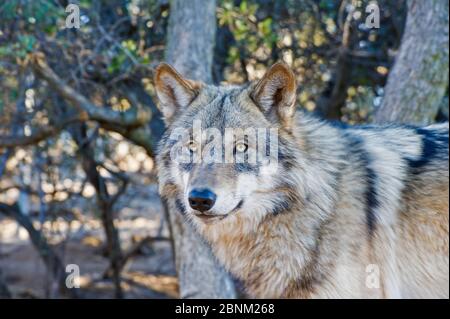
174,92
275,93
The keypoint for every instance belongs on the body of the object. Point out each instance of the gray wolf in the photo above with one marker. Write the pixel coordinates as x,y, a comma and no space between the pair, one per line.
348,211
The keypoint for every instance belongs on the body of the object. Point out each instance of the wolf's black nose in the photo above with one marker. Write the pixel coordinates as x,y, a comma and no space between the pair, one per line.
202,199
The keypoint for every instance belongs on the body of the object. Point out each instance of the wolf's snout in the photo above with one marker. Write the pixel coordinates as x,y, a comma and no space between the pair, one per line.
202,199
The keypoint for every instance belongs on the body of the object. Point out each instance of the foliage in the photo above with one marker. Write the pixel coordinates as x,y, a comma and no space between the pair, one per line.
309,36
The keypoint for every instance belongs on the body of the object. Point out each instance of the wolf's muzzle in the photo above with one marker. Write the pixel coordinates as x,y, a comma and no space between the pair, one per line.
202,199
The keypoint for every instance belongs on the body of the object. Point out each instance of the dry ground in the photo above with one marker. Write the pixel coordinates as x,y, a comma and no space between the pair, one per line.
150,274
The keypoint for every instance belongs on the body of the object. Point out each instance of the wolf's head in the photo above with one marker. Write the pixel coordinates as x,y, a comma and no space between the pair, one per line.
228,151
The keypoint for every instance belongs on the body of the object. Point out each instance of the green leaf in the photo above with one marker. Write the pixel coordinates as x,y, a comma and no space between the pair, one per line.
243,7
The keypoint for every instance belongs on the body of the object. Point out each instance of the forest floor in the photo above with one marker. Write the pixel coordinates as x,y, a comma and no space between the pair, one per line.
148,274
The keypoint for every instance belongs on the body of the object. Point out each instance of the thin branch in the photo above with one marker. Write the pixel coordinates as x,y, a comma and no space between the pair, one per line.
133,118
133,251
39,134
132,124
123,186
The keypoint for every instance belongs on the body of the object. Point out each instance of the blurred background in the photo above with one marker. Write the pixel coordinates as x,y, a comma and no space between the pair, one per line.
79,125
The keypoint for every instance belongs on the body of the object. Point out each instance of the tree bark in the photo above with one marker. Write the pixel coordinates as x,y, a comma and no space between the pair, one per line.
418,80
4,291
105,204
331,101
190,37
190,45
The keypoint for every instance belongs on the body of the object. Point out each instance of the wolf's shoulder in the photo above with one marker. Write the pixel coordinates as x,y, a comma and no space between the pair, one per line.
417,145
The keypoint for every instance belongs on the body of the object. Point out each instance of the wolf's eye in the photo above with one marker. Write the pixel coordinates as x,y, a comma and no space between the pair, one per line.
192,147
241,147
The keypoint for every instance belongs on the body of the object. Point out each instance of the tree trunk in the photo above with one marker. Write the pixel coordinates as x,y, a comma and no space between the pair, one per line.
418,80
105,205
190,44
4,291
331,101
190,37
